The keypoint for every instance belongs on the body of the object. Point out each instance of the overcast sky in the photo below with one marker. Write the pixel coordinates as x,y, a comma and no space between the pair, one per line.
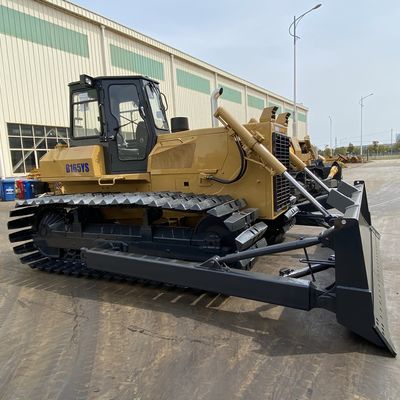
348,49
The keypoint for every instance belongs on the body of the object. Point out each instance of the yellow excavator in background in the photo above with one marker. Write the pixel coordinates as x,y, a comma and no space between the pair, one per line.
132,198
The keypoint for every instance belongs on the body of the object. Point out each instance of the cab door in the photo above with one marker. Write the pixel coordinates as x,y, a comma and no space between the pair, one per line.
131,135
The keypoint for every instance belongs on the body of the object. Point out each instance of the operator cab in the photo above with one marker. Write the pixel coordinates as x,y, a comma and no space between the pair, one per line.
123,114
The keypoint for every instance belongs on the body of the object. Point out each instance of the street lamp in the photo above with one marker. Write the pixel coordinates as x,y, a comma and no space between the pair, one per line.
294,24
361,107
330,134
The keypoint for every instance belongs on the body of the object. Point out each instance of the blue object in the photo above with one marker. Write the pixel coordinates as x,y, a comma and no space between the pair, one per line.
30,188
8,189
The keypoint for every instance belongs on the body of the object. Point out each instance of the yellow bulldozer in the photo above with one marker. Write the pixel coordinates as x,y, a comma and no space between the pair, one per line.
328,171
132,198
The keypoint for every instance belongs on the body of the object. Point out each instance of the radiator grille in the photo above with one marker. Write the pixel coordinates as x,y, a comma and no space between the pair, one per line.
280,148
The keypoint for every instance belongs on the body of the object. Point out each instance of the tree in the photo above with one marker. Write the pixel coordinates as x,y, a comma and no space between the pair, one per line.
384,148
327,151
350,148
340,150
356,150
375,146
371,149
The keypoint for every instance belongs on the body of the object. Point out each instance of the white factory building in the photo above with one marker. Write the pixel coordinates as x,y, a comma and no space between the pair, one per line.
45,44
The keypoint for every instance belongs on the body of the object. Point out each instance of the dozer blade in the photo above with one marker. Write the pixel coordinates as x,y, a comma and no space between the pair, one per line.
357,295
360,294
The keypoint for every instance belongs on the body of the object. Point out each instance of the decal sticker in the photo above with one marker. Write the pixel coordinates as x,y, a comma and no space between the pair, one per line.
77,168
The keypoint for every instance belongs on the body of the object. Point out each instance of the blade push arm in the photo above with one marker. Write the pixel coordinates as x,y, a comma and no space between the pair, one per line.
266,156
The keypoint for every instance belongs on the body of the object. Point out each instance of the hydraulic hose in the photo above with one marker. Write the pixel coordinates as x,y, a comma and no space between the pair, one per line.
243,167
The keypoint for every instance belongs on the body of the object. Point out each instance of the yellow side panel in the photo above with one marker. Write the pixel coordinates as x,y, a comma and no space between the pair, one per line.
189,151
65,162
180,156
182,161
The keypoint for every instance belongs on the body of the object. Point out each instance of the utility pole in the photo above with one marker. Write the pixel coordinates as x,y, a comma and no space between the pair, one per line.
391,141
330,134
296,20
361,106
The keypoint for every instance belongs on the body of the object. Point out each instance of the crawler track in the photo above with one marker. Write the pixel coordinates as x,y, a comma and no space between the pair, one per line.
23,224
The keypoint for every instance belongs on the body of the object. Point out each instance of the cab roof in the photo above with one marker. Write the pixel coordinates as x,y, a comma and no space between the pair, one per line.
81,82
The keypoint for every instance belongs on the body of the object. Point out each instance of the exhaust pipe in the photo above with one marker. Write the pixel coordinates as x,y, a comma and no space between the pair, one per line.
214,105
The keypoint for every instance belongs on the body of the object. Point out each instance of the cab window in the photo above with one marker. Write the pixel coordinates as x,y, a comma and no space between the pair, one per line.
86,117
157,107
131,132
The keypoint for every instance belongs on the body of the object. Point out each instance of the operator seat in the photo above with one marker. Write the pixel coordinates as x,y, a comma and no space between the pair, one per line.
141,138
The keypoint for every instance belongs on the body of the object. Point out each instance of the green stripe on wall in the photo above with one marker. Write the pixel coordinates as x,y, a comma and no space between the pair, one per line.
191,81
255,102
231,95
271,104
300,116
36,30
137,63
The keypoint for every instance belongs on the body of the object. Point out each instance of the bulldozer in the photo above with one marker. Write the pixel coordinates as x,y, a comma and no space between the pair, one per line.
134,199
329,172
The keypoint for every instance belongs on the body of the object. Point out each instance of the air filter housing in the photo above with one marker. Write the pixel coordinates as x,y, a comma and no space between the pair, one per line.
179,124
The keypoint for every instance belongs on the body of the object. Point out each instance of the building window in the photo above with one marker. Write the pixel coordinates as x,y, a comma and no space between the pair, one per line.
28,143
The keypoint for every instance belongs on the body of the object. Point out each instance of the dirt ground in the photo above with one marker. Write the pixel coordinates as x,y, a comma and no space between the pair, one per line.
73,338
